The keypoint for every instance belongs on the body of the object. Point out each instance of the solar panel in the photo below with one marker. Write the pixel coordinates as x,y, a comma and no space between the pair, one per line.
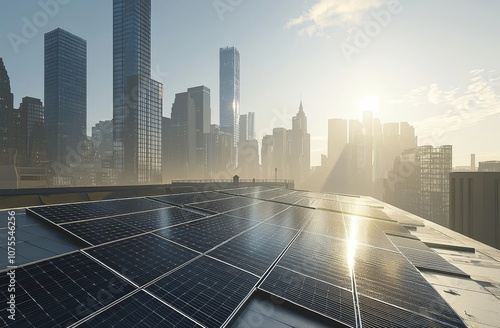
331,301
270,194
205,234
206,290
144,258
101,231
224,205
366,231
381,315
246,190
140,310
389,277
58,292
319,257
158,219
188,198
256,249
288,199
294,217
61,214
423,257
259,212
328,224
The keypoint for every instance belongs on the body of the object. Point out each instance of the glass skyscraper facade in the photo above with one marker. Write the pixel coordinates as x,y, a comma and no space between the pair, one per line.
65,93
229,79
6,105
137,99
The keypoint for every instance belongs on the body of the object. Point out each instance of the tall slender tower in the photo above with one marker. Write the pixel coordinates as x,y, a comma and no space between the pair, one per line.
229,79
300,157
137,99
65,93
6,105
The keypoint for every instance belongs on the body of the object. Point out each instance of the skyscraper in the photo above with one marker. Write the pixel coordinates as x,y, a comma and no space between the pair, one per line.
36,145
251,126
137,99
229,79
6,105
243,125
65,93
190,121
300,148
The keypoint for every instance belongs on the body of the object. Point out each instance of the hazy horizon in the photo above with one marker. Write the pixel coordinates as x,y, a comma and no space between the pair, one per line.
435,65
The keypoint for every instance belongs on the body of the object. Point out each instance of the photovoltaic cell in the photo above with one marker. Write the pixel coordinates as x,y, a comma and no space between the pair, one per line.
294,217
423,257
207,233
188,198
206,290
319,257
331,301
381,315
270,194
158,219
328,224
60,214
366,231
101,231
246,190
57,292
140,310
288,199
224,205
389,277
259,212
256,249
144,258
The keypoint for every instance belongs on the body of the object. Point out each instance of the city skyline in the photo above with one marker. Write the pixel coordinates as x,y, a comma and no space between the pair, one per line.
444,75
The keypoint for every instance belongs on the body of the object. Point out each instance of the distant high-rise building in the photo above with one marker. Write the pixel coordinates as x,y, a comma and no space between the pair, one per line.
267,157
65,93
190,122
280,153
102,140
6,105
419,182
229,79
489,166
251,126
243,125
337,139
166,149
218,145
300,148
248,151
474,205
137,99
36,142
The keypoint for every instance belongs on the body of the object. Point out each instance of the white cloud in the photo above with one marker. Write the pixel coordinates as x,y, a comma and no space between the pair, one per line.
328,13
464,106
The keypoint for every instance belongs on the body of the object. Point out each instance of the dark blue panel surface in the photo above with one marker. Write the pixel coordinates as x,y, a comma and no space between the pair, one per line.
204,234
195,197
140,310
158,219
206,290
261,211
294,217
57,292
329,300
143,258
103,230
256,249
224,205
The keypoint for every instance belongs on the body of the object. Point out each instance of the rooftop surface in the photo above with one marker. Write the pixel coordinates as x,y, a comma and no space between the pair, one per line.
245,257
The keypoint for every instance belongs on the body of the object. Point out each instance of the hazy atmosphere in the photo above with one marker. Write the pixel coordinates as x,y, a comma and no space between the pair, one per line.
433,64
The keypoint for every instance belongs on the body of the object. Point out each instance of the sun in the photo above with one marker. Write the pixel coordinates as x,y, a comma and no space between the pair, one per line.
369,103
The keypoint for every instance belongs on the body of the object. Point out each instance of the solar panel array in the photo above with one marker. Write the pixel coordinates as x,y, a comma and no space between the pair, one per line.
154,262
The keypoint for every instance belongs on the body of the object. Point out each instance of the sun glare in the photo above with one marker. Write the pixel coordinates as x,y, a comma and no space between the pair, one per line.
369,103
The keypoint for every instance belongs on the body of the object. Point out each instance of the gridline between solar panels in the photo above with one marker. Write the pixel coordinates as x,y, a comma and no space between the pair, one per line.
139,310
329,300
188,198
61,214
224,205
256,249
61,291
389,277
143,258
205,234
259,212
206,290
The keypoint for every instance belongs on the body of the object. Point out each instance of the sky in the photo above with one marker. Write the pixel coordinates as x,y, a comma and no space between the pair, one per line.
435,64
